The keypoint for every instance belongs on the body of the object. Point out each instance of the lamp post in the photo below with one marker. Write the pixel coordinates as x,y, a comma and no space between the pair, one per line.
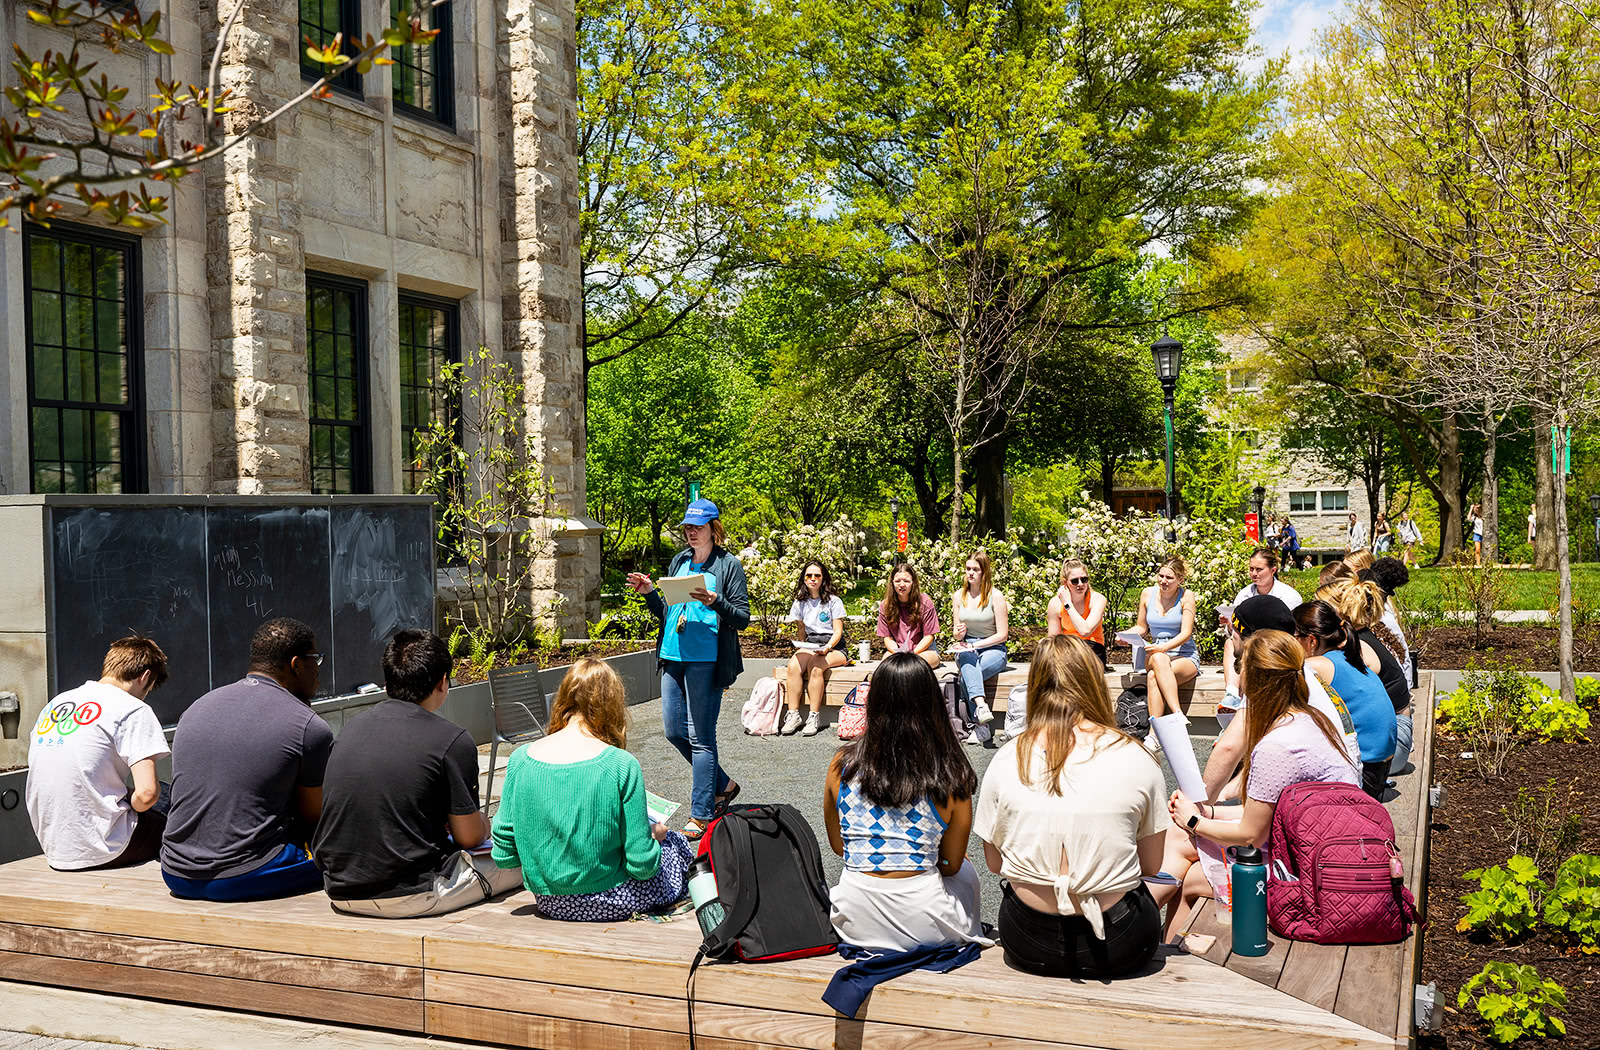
894,525
1168,354
689,487
1258,497
1594,505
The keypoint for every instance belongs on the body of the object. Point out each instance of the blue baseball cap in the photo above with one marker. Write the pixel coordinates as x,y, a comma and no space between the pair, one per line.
700,512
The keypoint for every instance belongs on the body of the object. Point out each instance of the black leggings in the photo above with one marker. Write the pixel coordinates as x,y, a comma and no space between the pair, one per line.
1374,778
1065,945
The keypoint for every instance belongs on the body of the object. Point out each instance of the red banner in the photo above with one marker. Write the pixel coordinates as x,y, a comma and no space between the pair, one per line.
1252,527
902,536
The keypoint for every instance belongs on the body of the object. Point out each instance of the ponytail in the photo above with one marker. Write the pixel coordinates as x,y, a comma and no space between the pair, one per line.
1320,622
1352,648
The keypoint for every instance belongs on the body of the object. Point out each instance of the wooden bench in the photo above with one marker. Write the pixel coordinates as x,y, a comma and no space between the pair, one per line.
1370,984
1198,697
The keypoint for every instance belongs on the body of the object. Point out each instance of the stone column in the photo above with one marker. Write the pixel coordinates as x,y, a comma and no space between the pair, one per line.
542,288
255,266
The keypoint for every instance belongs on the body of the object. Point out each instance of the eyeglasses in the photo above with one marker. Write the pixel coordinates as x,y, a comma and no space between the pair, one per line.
1076,580
315,658
813,575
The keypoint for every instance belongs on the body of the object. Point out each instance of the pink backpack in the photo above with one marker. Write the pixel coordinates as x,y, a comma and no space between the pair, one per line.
763,712
853,716
1335,875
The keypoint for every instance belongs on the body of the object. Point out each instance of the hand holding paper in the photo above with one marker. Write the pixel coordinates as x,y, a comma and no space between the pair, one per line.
676,590
1173,732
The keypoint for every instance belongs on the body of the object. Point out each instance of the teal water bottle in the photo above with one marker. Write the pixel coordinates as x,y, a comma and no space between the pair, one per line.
1249,881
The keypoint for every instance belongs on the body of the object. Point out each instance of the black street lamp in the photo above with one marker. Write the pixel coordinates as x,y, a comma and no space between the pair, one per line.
1594,505
1168,354
1258,496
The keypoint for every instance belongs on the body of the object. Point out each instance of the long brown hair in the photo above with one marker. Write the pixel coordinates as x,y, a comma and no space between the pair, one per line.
1066,690
908,752
985,580
891,608
592,691
1274,680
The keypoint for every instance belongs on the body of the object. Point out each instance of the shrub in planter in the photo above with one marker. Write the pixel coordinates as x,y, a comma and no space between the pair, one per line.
1515,1001
1573,904
1503,904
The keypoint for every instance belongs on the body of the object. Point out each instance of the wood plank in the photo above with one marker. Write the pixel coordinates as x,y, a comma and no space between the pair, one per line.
740,1023
259,997
272,967
1312,973
1203,920
1181,998
1367,989
513,1029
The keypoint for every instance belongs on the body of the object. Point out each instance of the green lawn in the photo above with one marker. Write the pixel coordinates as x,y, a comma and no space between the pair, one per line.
1525,588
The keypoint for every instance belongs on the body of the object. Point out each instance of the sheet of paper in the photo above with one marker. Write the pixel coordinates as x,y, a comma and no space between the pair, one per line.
1173,732
660,809
1135,639
675,589
1225,612
810,647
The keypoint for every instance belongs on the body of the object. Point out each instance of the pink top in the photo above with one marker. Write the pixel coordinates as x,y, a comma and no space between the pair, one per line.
1294,752
906,633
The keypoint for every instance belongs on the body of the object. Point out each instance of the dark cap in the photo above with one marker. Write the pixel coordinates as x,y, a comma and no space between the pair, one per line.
1262,613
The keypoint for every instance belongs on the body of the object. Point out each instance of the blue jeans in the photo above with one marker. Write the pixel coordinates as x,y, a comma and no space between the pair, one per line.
1403,731
289,873
978,666
691,702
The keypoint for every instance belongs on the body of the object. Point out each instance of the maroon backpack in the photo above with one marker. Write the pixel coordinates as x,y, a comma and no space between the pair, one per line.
1335,875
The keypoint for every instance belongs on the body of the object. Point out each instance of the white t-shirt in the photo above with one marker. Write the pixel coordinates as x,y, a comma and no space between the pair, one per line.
1333,710
819,616
80,760
1280,590
1110,798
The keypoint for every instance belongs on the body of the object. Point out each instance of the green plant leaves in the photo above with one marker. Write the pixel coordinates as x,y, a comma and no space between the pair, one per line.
1504,904
1517,1002
1573,904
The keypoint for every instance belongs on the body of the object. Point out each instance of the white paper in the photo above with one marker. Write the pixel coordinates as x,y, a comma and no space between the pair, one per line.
1135,639
809,647
1225,612
1173,732
675,589
660,809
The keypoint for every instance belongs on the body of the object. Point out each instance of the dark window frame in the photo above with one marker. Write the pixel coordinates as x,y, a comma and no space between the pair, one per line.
361,441
452,351
1323,500
1299,506
444,114
135,457
348,82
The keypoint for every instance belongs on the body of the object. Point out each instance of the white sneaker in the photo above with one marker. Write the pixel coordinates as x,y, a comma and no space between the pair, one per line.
813,726
791,723
974,738
1152,743
981,712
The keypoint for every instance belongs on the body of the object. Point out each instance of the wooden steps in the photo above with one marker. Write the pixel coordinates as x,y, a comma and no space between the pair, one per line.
1370,984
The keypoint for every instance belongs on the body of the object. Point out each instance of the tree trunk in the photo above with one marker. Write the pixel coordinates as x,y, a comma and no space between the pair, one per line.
657,558
1448,495
955,497
1108,480
958,430
1569,687
989,488
1491,491
1544,494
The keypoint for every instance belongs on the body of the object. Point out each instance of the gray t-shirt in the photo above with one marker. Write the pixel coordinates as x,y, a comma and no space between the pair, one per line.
239,753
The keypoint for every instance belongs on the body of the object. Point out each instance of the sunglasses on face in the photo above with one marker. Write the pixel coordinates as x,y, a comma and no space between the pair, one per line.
813,575
1077,581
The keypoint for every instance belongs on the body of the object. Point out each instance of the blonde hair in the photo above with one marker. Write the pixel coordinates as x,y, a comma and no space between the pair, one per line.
985,580
1359,603
1066,690
592,691
1070,564
1358,560
1274,680
1179,567
1334,570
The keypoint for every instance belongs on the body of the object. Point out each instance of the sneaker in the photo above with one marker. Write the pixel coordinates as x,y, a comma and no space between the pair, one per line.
974,738
813,725
981,712
1152,743
791,723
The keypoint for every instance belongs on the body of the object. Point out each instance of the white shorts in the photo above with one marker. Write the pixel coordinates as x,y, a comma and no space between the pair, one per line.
465,879
900,914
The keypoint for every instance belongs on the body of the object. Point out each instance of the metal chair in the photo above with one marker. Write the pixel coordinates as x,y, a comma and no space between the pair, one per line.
521,712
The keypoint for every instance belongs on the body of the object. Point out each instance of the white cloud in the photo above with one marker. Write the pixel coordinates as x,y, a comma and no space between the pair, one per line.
1284,25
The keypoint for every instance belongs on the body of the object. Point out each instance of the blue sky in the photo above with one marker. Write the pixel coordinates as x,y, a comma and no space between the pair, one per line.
1290,25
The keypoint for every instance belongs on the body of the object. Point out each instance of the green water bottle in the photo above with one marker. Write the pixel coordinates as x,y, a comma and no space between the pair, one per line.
1249,886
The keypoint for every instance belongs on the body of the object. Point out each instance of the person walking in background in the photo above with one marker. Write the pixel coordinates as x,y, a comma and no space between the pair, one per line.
1410,535
1355,534
1382,535
247,766
1070,814
908,621
818,612
897,806
89,744
1289,543
697,651
1533,523
1475,519
573,816
980,612
1077,610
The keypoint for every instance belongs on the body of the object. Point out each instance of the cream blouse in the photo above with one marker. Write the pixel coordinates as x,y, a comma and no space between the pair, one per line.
1110,798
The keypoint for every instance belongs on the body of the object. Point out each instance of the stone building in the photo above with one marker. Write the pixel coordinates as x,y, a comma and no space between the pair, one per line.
278,333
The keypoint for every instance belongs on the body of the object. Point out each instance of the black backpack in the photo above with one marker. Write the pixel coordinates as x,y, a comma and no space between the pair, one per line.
1133,712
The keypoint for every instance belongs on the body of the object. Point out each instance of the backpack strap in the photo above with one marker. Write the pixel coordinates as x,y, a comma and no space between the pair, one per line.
721,940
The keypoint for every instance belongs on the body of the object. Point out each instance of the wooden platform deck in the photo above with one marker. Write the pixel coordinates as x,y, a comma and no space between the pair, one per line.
500,974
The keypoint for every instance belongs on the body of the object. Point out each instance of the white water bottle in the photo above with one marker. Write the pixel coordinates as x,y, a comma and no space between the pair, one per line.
708,910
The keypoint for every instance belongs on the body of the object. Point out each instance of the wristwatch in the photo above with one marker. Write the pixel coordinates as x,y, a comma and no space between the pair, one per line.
1193,821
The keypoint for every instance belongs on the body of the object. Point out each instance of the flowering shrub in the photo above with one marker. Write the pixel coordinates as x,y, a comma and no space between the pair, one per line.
772,564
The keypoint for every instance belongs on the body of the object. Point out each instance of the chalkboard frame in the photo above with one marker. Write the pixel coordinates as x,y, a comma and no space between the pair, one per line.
56,503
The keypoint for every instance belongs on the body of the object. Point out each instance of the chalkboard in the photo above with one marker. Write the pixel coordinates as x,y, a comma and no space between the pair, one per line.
266,563
141,571
382,582
200,577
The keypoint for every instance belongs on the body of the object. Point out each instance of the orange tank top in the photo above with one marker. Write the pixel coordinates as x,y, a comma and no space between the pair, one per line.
1096,635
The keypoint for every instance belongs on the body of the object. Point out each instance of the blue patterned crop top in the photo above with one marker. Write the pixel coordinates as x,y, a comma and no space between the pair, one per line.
880,838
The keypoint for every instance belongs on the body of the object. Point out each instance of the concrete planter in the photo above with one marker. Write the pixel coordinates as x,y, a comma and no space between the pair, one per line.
637,671
16,832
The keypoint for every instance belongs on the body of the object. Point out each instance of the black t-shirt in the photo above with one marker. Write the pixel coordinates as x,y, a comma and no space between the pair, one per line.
397,773
1390,672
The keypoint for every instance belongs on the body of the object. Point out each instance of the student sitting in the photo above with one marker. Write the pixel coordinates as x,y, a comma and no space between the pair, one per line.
818,613
1349,669
1070,813
1264,582
573,814
982,624
1288,742
1391,574
1361,604
907,618
89,744
1077,610
247,765
400,799
1166,618
898,809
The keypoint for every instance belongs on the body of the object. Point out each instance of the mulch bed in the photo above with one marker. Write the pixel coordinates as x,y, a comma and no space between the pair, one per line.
1533,648
464,673
1474,830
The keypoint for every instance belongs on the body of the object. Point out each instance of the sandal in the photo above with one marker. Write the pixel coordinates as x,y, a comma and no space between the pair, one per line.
726,798
693,829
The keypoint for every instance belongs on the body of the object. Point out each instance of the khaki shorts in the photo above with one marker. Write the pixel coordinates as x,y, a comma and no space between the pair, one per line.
465,879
